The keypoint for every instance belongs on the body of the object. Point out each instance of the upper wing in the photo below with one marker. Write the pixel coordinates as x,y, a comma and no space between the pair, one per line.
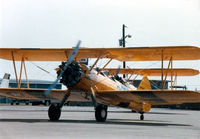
155,72
154,97
38,94
121,54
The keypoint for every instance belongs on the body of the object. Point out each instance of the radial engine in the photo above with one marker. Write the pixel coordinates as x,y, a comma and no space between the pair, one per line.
72,75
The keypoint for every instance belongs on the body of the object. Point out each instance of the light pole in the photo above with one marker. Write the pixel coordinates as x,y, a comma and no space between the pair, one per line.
122,42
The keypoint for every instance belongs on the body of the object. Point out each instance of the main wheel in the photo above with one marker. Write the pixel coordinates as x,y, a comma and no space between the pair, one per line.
101,113
54,112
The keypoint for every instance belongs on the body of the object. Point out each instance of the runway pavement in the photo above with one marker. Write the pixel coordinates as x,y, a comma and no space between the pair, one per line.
22,122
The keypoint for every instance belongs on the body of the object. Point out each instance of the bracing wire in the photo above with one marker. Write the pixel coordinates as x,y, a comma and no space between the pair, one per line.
42,69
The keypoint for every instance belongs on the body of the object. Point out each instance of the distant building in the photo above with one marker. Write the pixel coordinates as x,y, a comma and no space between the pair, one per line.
40,84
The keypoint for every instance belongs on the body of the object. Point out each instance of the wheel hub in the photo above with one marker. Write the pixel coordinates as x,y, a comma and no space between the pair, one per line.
103,113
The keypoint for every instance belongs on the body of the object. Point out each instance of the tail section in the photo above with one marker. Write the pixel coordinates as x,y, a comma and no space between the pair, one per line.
144,84
5,81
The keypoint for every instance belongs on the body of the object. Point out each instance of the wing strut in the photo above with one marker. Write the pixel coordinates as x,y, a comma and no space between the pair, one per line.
162,85
21,68
134,78
163,81
171,75
13,59
130,75
95,63
170,63
105,66
26,75
20,76
169,69
175,82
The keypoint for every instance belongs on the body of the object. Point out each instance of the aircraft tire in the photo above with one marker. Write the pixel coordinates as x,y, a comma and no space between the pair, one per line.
101,113
54,112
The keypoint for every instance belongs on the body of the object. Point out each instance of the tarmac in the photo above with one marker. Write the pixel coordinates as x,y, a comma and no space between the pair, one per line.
22,122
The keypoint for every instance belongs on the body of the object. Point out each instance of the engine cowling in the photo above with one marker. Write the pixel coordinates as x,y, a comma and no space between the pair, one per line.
72,75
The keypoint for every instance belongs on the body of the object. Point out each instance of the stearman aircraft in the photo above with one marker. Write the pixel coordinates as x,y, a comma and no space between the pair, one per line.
86,83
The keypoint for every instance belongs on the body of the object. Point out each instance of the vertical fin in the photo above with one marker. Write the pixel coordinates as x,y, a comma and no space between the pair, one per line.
144,84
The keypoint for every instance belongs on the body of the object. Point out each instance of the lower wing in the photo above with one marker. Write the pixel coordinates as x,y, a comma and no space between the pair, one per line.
153,97
38,94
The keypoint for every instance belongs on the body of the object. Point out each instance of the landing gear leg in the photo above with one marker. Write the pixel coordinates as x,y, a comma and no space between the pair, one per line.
100,109
54,111
101,113
142,116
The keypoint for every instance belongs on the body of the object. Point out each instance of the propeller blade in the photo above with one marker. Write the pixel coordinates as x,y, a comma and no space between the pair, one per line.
69,61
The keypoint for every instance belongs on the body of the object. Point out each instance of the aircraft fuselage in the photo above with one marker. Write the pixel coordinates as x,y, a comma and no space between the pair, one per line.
99,81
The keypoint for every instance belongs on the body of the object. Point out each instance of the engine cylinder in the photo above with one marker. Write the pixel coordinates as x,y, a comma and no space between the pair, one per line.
72,75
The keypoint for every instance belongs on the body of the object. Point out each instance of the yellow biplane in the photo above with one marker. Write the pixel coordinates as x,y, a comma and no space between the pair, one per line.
86,83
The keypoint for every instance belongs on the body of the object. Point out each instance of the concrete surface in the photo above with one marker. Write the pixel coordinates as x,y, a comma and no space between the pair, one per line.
23,122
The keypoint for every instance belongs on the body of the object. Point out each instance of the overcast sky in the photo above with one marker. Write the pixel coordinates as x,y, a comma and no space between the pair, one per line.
98,23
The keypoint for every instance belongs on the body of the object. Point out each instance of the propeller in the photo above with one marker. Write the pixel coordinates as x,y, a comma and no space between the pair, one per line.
69,61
